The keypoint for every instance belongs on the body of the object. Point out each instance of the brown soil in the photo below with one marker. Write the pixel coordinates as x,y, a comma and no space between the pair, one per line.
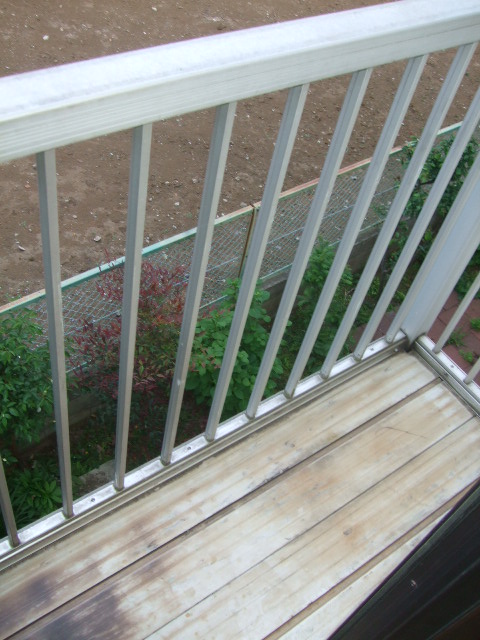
93,176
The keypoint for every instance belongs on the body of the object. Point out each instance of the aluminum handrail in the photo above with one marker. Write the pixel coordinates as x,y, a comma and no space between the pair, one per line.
53,107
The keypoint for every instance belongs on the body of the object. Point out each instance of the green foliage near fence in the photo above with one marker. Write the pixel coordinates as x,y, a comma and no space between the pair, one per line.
26,403
95,359
209,346
26,399
26,413
427,177
312,284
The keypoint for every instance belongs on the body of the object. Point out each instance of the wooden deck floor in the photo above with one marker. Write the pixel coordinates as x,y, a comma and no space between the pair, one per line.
280,535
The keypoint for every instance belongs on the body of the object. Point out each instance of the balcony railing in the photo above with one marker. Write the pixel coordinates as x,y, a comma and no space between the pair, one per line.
47,109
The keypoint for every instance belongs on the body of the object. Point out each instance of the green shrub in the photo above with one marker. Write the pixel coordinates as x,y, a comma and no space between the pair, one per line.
35,492
457,337
26,397
469,275
427,177
475,324
209,346
313,281
469,356
430,171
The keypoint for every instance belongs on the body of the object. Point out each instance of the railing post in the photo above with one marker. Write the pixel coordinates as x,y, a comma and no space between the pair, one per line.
6,508
458,315
137,200
451,252
336,152
276,175
47,196
222,132
390,131
439,111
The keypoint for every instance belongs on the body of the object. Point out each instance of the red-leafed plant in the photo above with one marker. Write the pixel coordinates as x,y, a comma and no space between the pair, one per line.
96,357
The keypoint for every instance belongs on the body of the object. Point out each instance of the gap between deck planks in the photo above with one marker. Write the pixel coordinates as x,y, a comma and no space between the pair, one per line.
183,559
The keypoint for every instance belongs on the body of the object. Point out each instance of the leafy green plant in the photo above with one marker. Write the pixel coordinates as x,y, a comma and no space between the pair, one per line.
313,281
457,337
430,172
26,398
421,190
469,275
475,324
469,356
35,492
209,346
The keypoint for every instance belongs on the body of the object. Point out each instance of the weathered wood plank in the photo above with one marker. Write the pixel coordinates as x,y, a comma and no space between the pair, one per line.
192,573
134,531
287,581
322,618
320,624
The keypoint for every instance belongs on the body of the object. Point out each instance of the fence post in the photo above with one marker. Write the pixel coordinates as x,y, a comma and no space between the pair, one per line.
246,246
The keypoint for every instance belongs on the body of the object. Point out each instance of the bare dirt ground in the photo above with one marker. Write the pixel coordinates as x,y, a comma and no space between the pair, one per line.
93,176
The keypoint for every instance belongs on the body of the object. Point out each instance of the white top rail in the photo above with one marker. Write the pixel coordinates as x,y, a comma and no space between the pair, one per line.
44,109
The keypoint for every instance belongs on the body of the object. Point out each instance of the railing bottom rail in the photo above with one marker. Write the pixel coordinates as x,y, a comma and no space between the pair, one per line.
447,369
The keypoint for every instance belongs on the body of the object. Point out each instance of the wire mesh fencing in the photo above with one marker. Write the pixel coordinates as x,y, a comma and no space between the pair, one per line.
83,299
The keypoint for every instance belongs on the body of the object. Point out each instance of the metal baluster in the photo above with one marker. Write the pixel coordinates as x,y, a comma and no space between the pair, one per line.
454,320
7,511
47,192
412,173
472,292
387,139
341,257
221,135
473,372
336,152
137,198
278,167
446,243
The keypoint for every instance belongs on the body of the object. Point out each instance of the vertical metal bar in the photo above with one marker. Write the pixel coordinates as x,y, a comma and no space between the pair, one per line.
219,146
47,192
387,139
414,168
341,257
276,175
473,372
137,199
455,319
7,511
456,242
336,152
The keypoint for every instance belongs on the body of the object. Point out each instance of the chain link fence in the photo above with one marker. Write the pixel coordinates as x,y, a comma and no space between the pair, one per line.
81,298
